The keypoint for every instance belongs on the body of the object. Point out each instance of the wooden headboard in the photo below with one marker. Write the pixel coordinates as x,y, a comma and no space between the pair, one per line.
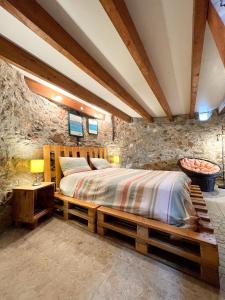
52,171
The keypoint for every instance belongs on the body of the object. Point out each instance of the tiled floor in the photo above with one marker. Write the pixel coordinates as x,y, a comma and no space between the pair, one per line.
61,261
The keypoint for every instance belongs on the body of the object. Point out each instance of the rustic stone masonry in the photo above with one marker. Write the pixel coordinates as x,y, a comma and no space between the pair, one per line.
159,145
27,122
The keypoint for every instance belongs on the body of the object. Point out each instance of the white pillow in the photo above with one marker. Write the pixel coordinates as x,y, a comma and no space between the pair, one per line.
100,163
70,165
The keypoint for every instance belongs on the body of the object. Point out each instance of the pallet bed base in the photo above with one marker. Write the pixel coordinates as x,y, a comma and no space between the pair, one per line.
195,253
80,211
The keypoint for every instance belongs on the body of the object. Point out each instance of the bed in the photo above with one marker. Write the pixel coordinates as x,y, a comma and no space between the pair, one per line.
159,195
156,225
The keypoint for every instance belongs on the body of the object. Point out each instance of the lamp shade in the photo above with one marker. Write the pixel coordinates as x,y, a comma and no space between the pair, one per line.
37,166
116,159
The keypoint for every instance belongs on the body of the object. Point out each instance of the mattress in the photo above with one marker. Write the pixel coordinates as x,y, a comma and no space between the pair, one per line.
159,195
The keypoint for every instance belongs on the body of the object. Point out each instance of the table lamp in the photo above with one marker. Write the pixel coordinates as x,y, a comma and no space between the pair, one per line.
116,159
37,167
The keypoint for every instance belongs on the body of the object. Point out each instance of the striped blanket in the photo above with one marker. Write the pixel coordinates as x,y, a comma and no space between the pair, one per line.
160,195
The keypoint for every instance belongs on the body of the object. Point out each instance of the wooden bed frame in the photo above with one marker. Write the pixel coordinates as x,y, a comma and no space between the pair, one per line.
195,253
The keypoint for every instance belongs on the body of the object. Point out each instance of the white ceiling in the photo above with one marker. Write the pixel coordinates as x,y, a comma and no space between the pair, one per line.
166,31
165,28
211,90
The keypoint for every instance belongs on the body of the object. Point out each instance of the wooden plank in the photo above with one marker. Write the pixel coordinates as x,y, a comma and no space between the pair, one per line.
58,172
196,195
204,254
198,28
195,190
203,216
30,13
58,151
170,229
122,21
195,186
89,216
196,201
119,228
217,28
47,163
24,60
75,150
201,208
78,213
52,95
82,203
42,213
66,150
210,264
142,234
205,226
174,249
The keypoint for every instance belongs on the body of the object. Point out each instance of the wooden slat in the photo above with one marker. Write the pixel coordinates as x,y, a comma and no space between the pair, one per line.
195,186
121,19
58,172
119,228
47,163
184,233
201,208
42,213
175,250
196,195
203,216
105,153
32,64
200,248
51,94
75,151
78,213
66,150
83,152
71,200
205,226
199,24
58,151
198,202
217,28
197,190
39,21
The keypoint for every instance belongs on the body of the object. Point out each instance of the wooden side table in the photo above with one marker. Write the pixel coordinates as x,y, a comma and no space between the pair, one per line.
30,203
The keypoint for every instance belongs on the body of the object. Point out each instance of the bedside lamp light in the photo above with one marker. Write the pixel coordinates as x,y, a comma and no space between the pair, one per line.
116,159
37,167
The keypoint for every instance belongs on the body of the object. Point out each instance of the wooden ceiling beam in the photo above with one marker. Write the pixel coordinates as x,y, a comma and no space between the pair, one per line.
54,96
24,60
200,9
217,28
39,21
122,21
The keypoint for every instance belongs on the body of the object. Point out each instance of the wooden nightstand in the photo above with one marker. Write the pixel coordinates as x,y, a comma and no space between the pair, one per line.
30,203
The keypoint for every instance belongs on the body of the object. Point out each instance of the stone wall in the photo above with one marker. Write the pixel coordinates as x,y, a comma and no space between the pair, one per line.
159,145
27,123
